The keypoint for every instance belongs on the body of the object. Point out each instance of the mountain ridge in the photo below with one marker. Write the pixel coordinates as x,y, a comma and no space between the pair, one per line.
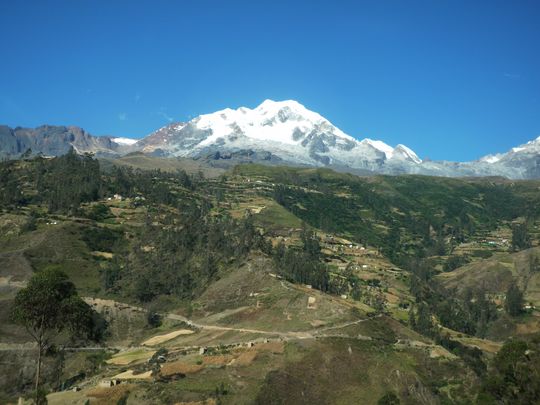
275,131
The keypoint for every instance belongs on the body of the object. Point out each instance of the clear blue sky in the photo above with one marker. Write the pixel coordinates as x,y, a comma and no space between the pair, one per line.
451,79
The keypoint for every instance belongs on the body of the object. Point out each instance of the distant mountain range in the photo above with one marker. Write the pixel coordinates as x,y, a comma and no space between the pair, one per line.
283,132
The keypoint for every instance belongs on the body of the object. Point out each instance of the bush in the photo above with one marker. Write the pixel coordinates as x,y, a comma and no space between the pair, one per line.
100,239
99,212
153,319
389,398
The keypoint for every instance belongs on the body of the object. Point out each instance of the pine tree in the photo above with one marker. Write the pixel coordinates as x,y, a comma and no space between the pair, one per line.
520,237
514,300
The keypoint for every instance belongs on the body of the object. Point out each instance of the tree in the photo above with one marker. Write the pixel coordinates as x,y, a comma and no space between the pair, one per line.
514,300
534,263
520,237
514,376
423,321
153,319
310,242
390,398
48,305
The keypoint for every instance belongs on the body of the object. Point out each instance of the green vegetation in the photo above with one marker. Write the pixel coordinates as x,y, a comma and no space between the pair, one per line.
514,300
405,216
48,306
520,237
303,266
370,281
514,375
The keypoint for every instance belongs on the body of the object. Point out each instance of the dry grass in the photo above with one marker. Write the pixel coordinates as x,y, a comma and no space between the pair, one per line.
272,347
179,367
106,396
485,345
105,255
210,401
156,340
245,358
439,351
217,360
130,375
123,359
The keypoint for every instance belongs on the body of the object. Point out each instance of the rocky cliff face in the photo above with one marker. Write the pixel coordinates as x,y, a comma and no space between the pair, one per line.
56,140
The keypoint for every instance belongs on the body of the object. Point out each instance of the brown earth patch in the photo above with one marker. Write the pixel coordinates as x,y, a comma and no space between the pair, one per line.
272,347
179,367
217,360
245,359
112,395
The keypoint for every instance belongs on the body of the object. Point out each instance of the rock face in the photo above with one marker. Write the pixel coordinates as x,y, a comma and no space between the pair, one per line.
56,140
275,132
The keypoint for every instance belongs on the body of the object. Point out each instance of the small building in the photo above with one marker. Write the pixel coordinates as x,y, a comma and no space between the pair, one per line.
109,383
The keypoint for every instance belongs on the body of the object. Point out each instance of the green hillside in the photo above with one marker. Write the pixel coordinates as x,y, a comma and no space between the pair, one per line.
270,284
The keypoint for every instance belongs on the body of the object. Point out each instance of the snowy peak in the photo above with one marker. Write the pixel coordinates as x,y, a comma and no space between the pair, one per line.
531,148
380,146
285,129
403,152
400,152
288,110
273,121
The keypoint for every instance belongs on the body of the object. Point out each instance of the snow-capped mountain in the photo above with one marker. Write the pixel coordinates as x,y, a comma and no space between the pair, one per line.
285,129
278,132
523,159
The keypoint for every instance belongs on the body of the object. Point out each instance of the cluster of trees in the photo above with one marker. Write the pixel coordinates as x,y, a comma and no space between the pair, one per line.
514,374
513,303
179,254
63,183
469,311
421,320
520,237
11,194
156,186
455,261
424,217
303,265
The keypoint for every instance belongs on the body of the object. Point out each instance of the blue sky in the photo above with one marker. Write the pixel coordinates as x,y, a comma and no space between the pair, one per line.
452,80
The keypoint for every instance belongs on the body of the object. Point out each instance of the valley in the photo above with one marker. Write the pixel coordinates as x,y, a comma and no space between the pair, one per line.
267,284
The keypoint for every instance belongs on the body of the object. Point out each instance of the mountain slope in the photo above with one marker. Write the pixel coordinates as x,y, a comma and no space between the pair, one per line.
275,132
285,129
53,140
524,158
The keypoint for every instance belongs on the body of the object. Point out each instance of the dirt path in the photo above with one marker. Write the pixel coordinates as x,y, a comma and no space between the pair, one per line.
297,335
310,334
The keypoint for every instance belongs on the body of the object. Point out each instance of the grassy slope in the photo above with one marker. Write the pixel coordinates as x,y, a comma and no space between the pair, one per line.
496,274
145,162
363,375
